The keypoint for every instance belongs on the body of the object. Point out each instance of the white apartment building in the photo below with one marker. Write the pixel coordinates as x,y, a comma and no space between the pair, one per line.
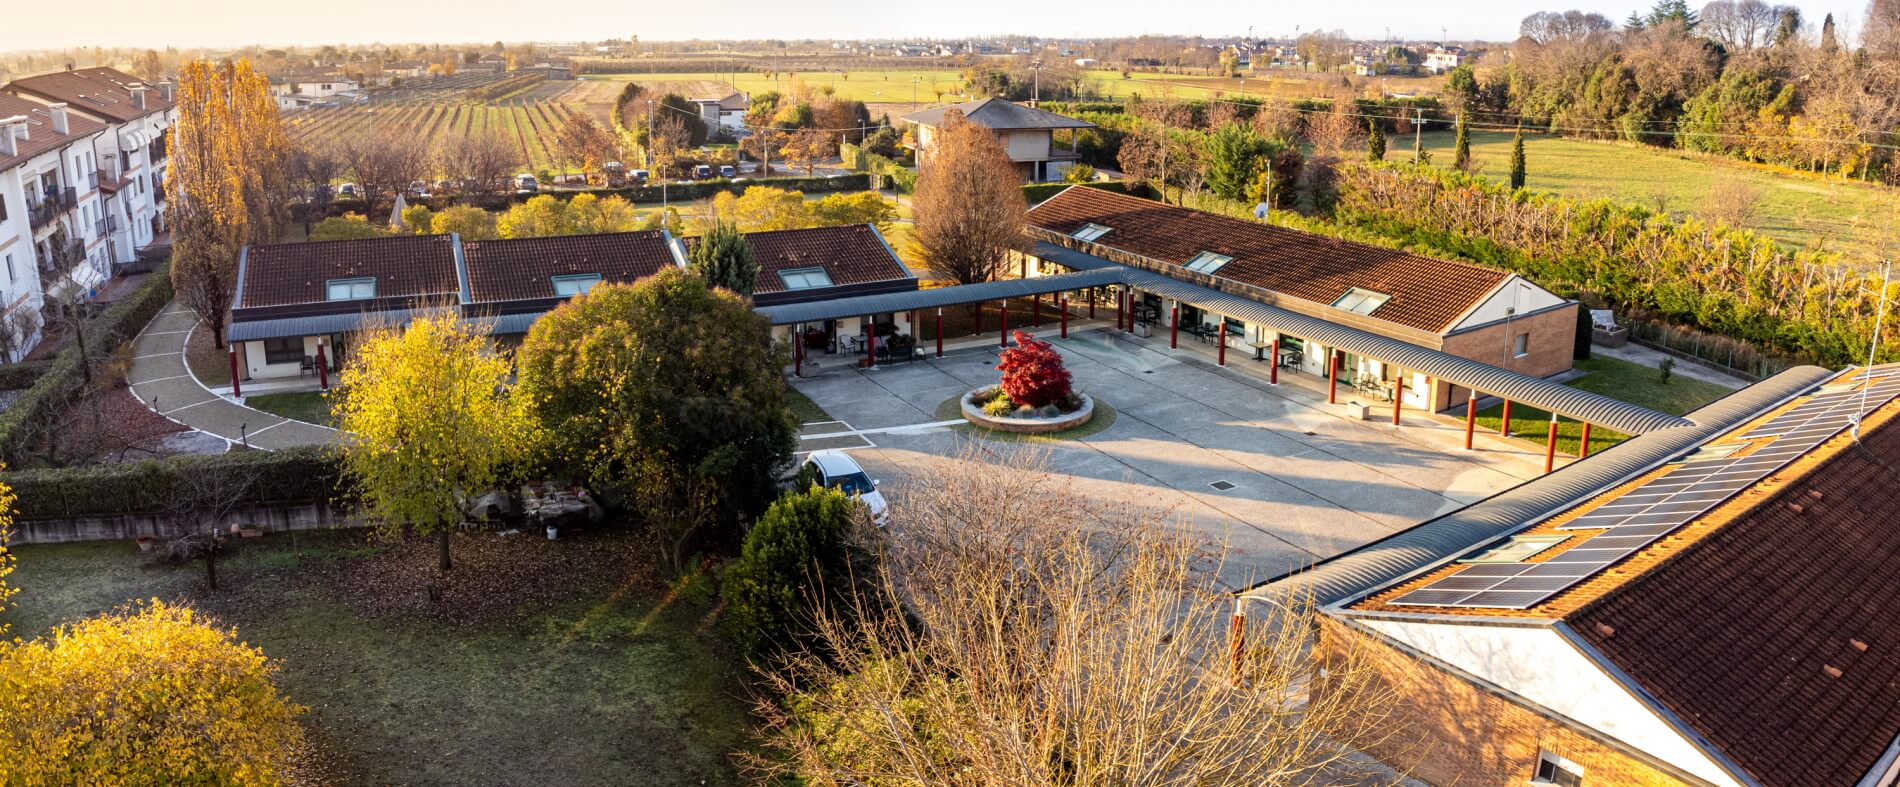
51,247
128,160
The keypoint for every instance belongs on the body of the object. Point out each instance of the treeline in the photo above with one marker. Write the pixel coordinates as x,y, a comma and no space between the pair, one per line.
1741,78
1804,303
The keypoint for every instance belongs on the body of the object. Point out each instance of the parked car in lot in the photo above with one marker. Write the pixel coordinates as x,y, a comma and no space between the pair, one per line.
837,470
347,190
526,184
640,175
702,172
728,171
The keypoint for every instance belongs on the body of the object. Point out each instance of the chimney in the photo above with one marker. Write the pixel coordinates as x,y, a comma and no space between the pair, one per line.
58,111
138,94
7,146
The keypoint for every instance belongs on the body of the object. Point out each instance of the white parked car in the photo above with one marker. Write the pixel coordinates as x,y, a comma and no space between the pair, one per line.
839,471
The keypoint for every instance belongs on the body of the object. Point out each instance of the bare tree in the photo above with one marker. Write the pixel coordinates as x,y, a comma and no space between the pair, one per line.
199,510
1023,633
1740,25
1325,50
17,327
385,159
1731,202
478,163
1550,27
670,137
969,204
312,165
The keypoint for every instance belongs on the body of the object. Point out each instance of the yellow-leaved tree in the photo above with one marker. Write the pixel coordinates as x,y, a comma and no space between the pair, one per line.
228,184
6,557
430,416
149,694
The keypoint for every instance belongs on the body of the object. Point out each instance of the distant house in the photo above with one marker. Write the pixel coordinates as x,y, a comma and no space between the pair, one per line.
1708,604
725,113
309,92
1027,134
1442,59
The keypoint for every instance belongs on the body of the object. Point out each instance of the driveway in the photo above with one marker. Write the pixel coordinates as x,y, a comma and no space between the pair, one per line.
161,379
1302,482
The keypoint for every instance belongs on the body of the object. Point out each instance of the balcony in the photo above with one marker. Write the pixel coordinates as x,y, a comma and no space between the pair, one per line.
62,257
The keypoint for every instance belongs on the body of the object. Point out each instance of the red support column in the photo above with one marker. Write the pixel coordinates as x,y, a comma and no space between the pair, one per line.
978,330
1035,312
1062,304
1002,336
1237,642
1398,396
1273,368
1223,341
1504,428
1471,416
1174,328
323,368
870,343
1550,445
939,332
1583,452
1332,376
798,351
1093,295
235,389
1123,319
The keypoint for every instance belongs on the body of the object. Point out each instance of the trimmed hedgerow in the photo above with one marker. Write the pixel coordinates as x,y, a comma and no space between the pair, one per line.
300,475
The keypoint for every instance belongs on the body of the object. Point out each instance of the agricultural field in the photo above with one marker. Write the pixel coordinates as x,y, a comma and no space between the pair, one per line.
531,117
1795,208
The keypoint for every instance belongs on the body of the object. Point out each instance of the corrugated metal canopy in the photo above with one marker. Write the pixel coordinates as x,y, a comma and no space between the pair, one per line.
319,324
1431,543
1070,258
858,306
1515,386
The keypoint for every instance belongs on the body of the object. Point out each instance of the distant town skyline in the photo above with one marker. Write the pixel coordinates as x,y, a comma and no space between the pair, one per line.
226,23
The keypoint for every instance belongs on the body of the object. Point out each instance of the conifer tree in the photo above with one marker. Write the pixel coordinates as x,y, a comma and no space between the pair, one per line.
1461,148
724,258
1375,142
1517,160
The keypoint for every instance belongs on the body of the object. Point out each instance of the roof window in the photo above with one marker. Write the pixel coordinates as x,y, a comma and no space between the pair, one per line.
1089,232
574,284
1516,550
1361,301
1207,262
804,278
349,289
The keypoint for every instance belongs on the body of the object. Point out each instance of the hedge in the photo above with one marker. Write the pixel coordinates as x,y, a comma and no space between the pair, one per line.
15,376
903,179
299,475
26,421
675,192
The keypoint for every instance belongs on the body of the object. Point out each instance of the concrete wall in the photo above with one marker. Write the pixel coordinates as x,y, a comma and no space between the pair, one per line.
1442,729
271,518
1026,145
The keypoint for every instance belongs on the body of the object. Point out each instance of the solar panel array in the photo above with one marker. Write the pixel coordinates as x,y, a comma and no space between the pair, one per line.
1656,509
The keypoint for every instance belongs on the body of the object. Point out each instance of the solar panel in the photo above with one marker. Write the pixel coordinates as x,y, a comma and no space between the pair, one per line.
1657,508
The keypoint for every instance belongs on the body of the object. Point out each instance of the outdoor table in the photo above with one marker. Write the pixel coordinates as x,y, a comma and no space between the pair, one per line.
1260,350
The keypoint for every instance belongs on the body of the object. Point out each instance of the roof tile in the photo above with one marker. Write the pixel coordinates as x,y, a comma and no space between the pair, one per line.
524,268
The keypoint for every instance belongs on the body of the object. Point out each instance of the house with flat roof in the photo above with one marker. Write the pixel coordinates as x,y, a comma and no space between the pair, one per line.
295,298
1466,310
1027,134
1707,604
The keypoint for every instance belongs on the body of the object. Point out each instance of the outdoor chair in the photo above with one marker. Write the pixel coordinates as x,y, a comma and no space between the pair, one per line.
308,366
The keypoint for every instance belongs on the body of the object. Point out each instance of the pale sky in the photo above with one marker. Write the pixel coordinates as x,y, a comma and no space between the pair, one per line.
224,23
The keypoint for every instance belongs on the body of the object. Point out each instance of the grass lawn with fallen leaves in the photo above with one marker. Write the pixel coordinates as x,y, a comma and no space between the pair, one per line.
307,406
545,662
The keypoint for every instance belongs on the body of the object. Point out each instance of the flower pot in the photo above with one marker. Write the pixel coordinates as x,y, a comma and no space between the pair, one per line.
554,533
145,543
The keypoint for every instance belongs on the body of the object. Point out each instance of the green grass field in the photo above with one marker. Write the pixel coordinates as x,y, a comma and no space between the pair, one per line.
1617,379
597,677
308,406
1854,218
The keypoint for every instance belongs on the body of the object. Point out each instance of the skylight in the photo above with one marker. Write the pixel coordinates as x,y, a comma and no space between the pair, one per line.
349,289
574,284
1089,232
1361,301
804,278
1207,262
1516,550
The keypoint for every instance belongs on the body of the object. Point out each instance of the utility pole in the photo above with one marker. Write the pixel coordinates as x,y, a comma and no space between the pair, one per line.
913,92
1418,132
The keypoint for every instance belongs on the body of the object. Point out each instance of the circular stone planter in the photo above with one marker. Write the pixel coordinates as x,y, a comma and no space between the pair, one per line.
1061,423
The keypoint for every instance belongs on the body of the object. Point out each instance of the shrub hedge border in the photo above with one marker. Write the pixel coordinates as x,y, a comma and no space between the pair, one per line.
15,376
61,379
675,192
311,474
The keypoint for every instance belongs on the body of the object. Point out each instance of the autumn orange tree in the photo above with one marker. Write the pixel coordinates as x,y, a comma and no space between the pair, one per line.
431,423
969,204
150,694
228,185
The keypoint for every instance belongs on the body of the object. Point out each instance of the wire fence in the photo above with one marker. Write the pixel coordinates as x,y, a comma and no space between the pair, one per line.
1734,356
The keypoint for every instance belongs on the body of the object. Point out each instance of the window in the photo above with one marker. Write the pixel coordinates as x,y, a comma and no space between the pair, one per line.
350,289
288,350
1516,549
1521,345
1207,262
804,278
1089,232
575,284
1552,769
1360,301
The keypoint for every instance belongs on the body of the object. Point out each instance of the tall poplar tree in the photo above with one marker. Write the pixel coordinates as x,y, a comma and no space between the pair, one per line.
1517,160
1375,141
1461,147
229,184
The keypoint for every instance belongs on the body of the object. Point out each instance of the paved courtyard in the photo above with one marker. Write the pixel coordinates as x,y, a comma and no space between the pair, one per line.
161,379
1307,483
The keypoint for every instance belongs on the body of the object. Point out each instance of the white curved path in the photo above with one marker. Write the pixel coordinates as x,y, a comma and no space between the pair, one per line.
163,381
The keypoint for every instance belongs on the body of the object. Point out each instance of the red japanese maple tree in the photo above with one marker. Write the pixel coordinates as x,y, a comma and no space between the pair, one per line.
1033,373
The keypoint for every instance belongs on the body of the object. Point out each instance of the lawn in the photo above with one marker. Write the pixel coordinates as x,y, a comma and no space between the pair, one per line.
806,410
309,406
1617,379
1795,208
561,662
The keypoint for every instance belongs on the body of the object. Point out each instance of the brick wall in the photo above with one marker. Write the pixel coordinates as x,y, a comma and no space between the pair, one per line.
1552,345
1448,731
